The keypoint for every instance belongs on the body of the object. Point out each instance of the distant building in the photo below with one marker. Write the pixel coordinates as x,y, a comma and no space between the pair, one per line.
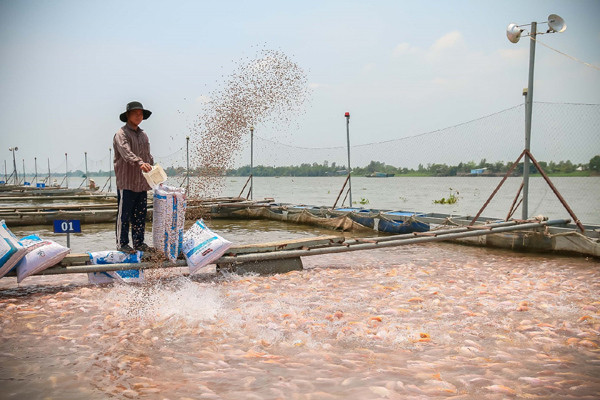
478,171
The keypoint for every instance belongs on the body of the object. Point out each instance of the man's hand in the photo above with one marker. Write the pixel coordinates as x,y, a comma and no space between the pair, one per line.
146,167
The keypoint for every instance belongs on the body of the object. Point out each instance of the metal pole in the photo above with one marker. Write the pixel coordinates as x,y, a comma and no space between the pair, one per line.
348,138
378,242
68,240
251,163
110,169
23,172
87,180
15,165
187,157
510,170
528,110
66,172
35,166
391,243
5,176
49,183
341,191
557,193
245,184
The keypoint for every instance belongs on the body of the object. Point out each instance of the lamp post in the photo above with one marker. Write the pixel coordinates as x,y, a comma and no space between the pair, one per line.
251,162
35,167
13,149
513,32
24,172
347,115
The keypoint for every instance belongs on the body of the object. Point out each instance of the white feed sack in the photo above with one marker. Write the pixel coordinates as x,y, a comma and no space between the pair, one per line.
11,251
201,246
168,218
41,254
115,257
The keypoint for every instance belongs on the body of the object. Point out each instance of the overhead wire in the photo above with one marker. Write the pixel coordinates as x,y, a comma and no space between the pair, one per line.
566,55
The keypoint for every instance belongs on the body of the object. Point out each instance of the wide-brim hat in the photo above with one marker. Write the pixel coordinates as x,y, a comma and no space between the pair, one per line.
135,105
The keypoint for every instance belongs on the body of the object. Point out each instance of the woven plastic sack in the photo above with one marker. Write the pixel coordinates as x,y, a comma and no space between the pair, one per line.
201,246
168,218
41,254
115,257
11,251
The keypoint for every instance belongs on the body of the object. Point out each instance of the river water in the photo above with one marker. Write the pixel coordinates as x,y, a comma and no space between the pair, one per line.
420,321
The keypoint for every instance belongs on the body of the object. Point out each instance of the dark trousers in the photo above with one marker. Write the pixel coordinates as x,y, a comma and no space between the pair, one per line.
132,210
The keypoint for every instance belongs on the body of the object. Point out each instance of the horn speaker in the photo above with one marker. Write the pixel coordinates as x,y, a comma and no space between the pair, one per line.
513,33
556,23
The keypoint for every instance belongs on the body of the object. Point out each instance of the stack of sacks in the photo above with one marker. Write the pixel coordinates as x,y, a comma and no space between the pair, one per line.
40,254
11,251
168,217
201,246
116,257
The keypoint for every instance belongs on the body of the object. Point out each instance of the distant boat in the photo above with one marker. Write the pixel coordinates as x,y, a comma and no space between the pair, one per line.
379,175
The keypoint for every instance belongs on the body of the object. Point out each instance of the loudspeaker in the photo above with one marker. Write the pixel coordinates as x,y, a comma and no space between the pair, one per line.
513,33
556,23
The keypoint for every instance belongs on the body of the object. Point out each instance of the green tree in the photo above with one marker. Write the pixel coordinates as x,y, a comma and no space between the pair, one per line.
595,164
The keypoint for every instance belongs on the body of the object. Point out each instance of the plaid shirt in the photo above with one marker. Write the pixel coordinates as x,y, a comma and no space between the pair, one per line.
132,149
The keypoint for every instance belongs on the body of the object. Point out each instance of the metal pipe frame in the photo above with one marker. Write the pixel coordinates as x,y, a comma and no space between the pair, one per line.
399,240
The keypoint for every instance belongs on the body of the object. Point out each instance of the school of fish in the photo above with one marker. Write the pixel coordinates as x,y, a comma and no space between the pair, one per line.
416,322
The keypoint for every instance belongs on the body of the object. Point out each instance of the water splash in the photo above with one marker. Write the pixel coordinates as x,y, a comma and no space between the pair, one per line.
177,300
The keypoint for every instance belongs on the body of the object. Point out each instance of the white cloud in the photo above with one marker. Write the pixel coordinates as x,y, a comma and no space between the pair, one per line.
440,81
452,83
402,49
448,41
369,67
518,54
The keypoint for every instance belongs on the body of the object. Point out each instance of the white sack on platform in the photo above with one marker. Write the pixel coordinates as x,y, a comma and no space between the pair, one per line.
115,257
201,246
11,251
168,218
41,254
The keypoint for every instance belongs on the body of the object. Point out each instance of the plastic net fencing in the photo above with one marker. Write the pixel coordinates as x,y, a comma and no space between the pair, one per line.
560,132
564,137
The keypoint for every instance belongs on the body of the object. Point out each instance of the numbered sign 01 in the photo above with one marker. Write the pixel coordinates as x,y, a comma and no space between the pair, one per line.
67,226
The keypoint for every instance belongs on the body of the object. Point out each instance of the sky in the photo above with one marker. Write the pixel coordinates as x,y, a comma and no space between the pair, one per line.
401,68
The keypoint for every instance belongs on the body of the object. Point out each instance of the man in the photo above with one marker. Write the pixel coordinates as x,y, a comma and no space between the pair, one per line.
132,157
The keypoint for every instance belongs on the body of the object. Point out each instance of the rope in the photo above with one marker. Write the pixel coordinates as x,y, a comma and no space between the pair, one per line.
169,155
567,55
448,221
394,140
